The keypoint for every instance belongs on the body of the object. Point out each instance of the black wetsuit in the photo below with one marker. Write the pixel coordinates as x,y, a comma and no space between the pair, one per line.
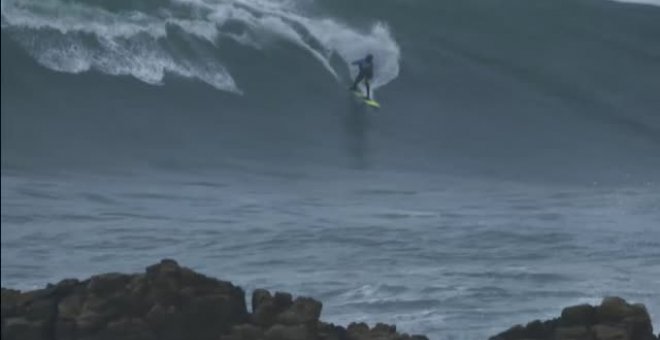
365,73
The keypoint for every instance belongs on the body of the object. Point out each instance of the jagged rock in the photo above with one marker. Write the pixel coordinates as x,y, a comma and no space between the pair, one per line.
167,302
282,300
361,331
328,331
259,296
302,311
267,308
107,284
578,315
170,302
612,309
265,313
614,319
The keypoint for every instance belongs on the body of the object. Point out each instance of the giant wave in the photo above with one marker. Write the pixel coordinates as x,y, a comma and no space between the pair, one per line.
503,88
147,39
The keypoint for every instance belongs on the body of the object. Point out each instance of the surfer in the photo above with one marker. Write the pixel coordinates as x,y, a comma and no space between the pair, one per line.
366,72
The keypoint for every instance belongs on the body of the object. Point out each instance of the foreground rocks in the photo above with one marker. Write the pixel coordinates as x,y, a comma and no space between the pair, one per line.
614,319
169,302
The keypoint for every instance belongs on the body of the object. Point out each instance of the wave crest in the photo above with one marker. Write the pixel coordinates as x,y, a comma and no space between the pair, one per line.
183,37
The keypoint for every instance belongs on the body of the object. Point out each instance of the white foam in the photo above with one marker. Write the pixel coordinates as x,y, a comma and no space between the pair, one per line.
135,43
645,2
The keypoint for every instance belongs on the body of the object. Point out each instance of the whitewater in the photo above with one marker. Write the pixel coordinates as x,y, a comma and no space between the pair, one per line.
131,42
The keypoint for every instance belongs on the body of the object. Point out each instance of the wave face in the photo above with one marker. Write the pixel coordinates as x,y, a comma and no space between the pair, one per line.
505,87
146,39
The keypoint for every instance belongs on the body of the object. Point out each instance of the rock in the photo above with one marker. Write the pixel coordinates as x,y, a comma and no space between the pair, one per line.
361,331
66,329
515,332
244,332
578,315
267,309
384,329
166,322
572,333
40,309
107,284
128,329
282,332
265,314
327,331
605,332
282,300
89,321
66,287
10,300
639,322
214,314
70,307
165,267
259,296
614,319
612,309
23,329
302,311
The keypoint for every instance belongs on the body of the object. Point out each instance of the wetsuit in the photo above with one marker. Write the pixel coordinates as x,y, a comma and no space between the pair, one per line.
365,73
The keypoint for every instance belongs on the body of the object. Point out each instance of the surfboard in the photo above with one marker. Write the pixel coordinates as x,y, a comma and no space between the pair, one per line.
369,102
372,103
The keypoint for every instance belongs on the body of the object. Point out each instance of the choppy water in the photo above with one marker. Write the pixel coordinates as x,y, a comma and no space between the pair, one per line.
453,259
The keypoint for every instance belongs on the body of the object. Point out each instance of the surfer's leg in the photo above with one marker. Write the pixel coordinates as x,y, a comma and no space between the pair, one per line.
368,86
357,81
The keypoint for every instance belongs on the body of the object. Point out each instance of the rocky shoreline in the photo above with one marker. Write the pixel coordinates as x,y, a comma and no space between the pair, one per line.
170,302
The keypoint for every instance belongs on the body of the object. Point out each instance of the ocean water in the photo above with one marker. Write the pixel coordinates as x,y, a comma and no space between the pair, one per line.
513,169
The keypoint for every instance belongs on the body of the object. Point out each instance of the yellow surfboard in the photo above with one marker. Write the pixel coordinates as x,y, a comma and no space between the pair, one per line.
369,102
